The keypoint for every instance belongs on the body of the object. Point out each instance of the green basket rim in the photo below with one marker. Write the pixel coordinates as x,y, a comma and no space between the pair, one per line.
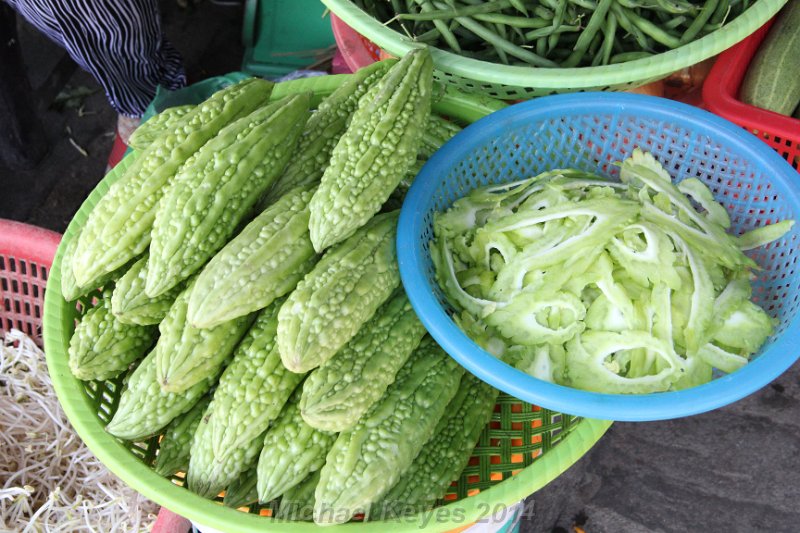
655,67
129,468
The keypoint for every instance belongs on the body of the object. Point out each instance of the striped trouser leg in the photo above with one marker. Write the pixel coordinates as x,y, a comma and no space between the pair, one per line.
118,41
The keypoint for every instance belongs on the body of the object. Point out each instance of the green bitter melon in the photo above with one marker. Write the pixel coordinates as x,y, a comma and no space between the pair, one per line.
218,187
297,503
242,491
341,390
292,450
263,262
131,305
368,460
323,130
144,409
160,124
118,228
445,455
186,355
175,445
251,393
339,295
102,347
376,151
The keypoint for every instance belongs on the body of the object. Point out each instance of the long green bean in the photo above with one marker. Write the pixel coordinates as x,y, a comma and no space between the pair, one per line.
626,24
549,33
513,21
674,23
550,30
610,31
698,23
589,5
446,12
656,33
510,48
425,6
589,33
629,56
519,5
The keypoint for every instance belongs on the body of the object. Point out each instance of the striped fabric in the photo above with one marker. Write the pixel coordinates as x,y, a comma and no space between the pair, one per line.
118,41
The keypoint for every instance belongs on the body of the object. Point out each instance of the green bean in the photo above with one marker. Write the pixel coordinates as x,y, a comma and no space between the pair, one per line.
655,32
510,20
448,13
698,23
589,33
628,26
501,54
510,48
629,56
543,12
585,4
551,4
541,46
425,6
550,30
721,12
609,31
519,5
429,36
674,23
558,20
676,7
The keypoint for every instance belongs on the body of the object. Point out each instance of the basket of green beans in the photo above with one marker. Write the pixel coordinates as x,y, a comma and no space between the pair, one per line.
518,49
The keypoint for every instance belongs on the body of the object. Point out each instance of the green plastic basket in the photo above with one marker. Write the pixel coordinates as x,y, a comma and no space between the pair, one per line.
514,82
523,448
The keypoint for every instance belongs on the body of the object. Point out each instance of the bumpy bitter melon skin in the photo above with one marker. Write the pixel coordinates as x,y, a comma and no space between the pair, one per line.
445,455
437,131
323,130
144,409
263,262
206,483
131,305
341,390
186,355
159,124
368,460
175,445
292,450
118,228
376,151
242,491
70,289
102,347
251,393
297,503
218,187
339,295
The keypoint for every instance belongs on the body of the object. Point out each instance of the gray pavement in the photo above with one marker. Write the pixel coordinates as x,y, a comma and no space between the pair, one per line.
734,470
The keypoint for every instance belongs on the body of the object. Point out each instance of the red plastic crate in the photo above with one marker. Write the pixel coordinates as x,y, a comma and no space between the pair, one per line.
26,253
721,96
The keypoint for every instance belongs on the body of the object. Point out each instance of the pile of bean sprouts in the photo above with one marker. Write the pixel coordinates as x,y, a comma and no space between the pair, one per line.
49,480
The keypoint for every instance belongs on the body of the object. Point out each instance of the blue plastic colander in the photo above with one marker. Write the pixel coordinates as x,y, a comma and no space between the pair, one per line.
593,131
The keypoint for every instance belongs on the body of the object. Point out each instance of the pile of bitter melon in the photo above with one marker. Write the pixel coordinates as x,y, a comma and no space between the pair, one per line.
247,257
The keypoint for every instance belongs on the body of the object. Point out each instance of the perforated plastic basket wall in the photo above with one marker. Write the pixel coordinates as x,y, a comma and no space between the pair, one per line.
26,253
591,132
522,449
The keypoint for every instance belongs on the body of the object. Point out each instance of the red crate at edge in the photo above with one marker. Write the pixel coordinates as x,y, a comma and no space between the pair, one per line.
721,96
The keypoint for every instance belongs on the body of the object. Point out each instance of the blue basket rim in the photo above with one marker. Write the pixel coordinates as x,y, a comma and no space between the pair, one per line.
773,361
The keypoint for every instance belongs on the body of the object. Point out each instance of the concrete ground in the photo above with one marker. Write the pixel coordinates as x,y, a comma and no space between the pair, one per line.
736,469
